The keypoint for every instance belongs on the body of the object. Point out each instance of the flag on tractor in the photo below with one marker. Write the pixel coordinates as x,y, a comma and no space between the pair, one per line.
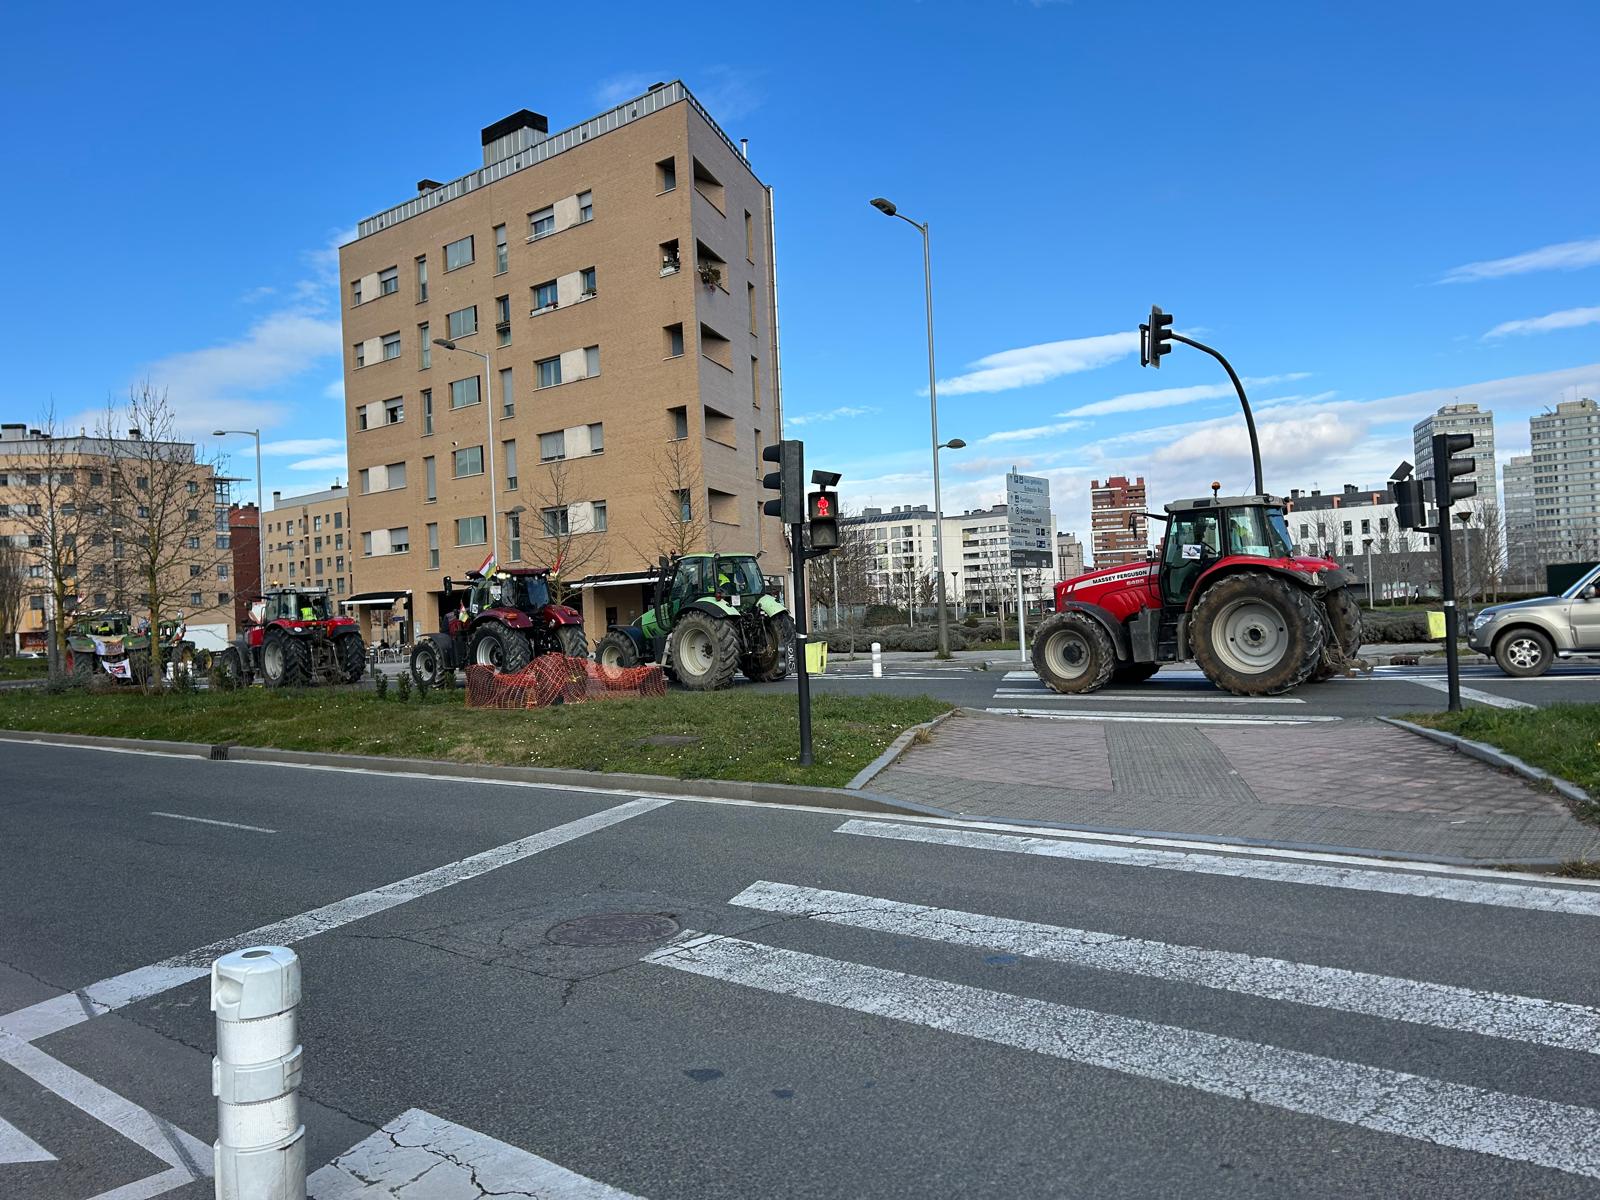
488,564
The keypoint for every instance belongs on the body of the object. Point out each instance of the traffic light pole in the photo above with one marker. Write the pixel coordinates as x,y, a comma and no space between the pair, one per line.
798,557
1443,499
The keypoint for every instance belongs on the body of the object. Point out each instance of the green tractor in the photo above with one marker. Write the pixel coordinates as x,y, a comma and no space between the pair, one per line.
710,617
107,640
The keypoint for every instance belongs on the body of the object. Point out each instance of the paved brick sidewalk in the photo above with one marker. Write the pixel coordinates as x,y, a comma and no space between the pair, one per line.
1352,784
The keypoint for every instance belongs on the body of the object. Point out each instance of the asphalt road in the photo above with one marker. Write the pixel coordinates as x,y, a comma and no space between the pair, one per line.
888,1007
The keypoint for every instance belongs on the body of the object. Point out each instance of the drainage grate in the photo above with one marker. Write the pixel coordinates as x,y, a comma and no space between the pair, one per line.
612,929
219,753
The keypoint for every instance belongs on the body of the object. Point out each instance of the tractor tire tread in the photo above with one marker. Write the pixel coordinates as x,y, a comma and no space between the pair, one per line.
352,653
1298,605
768,666
1103,653
723,637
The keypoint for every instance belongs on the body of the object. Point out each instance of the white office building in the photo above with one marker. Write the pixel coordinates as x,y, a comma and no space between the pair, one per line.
1566,481
977,558
1459,418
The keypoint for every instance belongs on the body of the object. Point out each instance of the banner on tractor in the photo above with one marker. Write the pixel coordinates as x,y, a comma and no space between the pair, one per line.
560,679
121,669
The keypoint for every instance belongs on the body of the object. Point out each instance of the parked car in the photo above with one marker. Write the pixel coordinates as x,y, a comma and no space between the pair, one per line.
1526,636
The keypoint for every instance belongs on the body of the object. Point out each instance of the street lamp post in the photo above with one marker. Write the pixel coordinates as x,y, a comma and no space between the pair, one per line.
888,209
488,449
1368,542
261,517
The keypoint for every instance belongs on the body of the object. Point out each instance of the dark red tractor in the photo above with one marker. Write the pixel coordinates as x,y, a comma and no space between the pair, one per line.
296,641
503,620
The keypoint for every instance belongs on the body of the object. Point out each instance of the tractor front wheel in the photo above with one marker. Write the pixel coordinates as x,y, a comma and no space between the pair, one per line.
82,665
705,651
1073,653
769,661
573,643
231,670
352,654
427,665
1255,634
615,653
499,646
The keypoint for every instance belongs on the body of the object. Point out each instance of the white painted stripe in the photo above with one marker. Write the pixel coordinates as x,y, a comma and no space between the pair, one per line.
1520,1128
1149,696
1574,901
457,1161
1148,718
150,1133
50,1016
149,1187
18,1147
1492,1014
208,821
1469,693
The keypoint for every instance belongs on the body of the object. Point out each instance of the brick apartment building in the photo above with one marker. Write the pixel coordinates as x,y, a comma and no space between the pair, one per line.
1111,506
244,536
618,277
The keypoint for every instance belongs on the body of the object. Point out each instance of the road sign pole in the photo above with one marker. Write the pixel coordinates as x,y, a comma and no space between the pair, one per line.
798,561
1022,620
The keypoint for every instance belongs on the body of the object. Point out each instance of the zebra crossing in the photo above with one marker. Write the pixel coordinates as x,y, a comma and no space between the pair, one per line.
1525,1129
1024,694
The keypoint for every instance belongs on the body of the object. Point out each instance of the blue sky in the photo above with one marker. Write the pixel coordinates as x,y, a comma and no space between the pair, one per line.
1371,208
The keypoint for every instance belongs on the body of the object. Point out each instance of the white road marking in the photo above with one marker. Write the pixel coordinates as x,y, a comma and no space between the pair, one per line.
1521,1128
1492,1014
1573,901
1043,693
1153,718
1470,693
50,1016
18,1147
150,1186
208,821
418,1155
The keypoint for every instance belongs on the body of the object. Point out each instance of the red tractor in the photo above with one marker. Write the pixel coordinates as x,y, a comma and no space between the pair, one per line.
296,641
502,621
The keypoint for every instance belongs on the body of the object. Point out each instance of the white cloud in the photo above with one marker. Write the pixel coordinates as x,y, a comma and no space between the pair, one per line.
1030,365
617,88
1032,433
335,390
323,462
293,446
1170,397
1564,256
1567,318
729,93
833,414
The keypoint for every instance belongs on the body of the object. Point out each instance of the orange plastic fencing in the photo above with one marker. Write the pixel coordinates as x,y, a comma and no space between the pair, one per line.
560,679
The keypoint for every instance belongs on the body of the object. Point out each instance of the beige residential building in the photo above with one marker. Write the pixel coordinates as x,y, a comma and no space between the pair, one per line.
309,541
618,277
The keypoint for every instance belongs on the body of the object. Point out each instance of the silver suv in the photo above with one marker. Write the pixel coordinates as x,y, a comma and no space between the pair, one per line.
1526,636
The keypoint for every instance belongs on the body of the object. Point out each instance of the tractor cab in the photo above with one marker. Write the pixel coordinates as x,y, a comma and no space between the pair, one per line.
734,579
296,605
104,623
1201,533
526,591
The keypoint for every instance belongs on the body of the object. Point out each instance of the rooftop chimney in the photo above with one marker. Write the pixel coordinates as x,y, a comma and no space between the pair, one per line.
276,496
513,134
424,186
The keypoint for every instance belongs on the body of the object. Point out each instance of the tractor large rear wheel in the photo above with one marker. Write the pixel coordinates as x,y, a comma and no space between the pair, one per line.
573,643
82,666
705,651
499,646
285,660
1343,634
1255,634
427,665
352,652
615,653
1073,653
769,661
229,666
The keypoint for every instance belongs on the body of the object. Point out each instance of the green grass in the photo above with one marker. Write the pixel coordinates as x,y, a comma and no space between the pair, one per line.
22,668
1563,739
742,735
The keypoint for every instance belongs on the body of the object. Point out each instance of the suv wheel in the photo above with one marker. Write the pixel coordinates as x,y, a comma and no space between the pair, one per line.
1524,653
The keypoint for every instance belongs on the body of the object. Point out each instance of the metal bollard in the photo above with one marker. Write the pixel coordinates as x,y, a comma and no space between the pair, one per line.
260,1151
877,660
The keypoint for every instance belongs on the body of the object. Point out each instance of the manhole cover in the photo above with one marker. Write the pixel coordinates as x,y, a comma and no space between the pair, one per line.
612,929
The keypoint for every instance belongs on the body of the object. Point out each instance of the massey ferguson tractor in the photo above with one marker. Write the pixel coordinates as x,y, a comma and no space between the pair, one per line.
1228,589
296,641
504,619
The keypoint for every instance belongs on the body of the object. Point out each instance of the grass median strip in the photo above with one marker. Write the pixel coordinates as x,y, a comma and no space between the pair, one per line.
1563,739
734,735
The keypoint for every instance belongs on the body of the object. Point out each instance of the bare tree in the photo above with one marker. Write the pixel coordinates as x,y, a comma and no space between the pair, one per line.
1487,517
565,539
13,586
676,519
162,509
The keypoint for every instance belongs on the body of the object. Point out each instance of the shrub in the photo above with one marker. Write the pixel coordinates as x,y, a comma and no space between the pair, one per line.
883,614
402,689
380,684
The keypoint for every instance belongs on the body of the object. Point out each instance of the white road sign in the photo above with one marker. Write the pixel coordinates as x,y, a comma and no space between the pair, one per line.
1028,515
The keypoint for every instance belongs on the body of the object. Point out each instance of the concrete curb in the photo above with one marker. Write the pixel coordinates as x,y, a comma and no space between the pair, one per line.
1495,758
895,750
853,799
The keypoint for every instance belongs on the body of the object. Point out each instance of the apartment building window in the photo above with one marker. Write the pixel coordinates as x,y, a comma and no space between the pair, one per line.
400,540
544,296
508,453
750,301
514,537
458,254
549,370
670,260
679,418
674,339
360,349
598,521
422,277
667,175
591,361
468,461
424,348
502,320
709,186
391,346
430,477
433,548
508,392
552,446
685,507
464,392
470,531
427,413
500,261
716,347
388,281
462,322
194,599
755,381
749,237
585,207
586,283
355,294
556,521
541,223
394,411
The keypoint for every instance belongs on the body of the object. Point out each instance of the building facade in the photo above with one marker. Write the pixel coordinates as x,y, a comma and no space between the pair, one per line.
310,542
1460,418
618,279
900,562
1069,556
1566,481
1119,530
1522,553
244,535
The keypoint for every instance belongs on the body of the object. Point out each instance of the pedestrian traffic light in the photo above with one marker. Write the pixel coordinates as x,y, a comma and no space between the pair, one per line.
1410,504
822,510
788,481
1447,467
1155,339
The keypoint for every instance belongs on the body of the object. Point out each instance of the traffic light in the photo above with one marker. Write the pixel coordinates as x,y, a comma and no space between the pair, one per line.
1410,504
788,481
1155,339
1446,467
822,510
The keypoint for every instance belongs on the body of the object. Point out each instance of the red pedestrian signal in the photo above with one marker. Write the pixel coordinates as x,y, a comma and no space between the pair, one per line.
822,509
